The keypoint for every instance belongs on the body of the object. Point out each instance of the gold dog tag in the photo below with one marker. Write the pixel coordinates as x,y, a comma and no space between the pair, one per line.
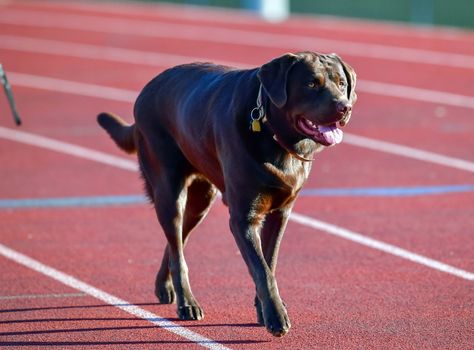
256,125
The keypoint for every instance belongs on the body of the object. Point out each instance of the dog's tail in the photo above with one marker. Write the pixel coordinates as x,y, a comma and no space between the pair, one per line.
121,132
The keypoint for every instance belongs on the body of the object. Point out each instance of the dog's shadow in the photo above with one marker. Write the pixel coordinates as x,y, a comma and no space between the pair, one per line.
74,329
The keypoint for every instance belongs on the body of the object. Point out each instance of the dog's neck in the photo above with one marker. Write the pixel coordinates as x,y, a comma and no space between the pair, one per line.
282,132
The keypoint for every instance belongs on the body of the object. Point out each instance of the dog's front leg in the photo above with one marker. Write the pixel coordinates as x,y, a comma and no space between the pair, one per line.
271,235
246,226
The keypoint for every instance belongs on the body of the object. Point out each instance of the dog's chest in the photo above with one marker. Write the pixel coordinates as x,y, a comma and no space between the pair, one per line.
285,182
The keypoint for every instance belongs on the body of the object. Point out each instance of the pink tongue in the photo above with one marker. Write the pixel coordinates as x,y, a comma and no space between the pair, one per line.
331,134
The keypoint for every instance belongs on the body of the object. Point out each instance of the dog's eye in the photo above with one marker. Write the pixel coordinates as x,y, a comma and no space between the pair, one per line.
311,84
342,84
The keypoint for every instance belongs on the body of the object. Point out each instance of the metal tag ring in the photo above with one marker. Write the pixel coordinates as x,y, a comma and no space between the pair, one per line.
260,113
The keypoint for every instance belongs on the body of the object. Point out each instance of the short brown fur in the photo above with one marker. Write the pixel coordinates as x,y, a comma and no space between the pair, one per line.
192,137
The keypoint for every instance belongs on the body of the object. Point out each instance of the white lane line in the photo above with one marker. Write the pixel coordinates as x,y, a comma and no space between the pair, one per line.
157,59
378,245
67,148
304,220
92,90
107,298
216,34
408,152
104,53
72,87
42,296
413,93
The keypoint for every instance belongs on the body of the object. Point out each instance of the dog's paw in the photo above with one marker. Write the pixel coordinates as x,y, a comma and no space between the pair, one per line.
258,309
165,293
276,320
278,326
190,312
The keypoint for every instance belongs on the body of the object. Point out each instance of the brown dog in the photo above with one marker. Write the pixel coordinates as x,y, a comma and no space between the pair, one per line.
249,133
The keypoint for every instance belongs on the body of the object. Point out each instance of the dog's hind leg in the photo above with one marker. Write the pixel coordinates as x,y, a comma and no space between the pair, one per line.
200,196
164,289
169,175
170,199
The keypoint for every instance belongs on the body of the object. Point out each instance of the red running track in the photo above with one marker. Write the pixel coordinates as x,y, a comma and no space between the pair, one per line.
341,295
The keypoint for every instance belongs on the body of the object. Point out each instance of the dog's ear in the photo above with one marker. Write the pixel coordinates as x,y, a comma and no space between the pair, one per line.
351,77
273,76
351,84
351,80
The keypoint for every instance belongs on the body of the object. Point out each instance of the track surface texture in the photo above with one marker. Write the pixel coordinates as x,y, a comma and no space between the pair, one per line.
379,253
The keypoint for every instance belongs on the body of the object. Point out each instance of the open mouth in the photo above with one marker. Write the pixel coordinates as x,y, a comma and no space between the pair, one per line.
326,135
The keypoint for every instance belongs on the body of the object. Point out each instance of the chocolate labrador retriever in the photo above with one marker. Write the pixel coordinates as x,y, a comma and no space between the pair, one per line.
251,134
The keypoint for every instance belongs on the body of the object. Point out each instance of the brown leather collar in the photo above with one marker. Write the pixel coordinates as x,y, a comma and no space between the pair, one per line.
293,153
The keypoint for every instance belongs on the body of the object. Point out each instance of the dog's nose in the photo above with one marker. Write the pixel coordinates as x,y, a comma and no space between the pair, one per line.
343,108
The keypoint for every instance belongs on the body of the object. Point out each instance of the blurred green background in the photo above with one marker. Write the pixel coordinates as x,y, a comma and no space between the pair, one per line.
458,13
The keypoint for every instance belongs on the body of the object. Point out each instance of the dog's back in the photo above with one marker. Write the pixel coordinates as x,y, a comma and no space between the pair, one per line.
190,92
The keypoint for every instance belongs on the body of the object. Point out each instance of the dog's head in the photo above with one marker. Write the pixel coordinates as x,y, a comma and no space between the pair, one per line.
316,93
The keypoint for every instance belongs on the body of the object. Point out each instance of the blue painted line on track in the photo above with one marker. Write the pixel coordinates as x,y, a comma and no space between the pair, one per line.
102,201
387,191
99,201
